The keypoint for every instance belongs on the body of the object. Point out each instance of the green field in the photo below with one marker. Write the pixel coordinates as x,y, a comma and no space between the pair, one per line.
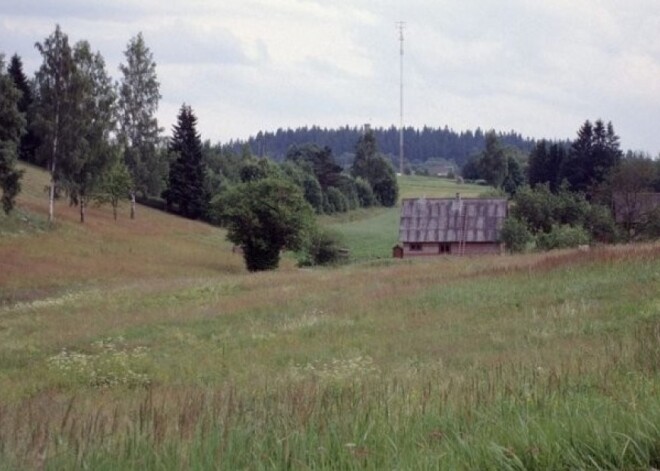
145,345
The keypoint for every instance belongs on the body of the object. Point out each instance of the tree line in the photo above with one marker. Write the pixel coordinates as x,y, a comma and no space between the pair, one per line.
98,139
565,193
420,145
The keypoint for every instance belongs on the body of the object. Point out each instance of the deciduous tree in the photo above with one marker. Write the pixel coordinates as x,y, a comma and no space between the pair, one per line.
115,186
92,152
375,169
264,217
138,103
493,163
56,110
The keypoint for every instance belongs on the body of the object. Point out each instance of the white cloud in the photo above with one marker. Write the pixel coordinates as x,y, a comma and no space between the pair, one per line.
540,67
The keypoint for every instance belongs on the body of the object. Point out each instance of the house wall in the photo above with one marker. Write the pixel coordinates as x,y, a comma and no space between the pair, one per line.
483,248
471,248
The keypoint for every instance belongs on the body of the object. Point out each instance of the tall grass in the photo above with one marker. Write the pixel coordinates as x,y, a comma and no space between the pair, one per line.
508,363
146,346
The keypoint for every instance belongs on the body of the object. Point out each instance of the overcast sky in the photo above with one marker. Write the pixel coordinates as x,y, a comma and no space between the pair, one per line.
539,67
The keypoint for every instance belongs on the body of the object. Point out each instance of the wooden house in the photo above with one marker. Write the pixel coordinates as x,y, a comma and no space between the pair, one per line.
451,226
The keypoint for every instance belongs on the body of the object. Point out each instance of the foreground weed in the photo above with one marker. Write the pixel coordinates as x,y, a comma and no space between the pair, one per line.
109,363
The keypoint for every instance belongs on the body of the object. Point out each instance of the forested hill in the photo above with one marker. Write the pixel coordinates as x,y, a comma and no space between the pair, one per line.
420,145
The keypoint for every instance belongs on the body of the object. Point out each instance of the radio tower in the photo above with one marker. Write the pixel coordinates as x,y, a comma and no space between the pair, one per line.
401,25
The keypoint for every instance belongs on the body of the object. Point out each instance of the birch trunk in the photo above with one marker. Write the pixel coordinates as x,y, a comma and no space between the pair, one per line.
82,210
132,204
51,190
53,165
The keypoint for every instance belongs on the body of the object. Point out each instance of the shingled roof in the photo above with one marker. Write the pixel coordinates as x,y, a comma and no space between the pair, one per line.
445,219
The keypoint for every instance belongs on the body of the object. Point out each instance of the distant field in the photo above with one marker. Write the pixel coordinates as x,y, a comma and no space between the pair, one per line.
417,186
145,345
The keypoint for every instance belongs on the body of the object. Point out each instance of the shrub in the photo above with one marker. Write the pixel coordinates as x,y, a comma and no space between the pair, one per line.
337,202
563,236
600,224
324,247
515,235
365,193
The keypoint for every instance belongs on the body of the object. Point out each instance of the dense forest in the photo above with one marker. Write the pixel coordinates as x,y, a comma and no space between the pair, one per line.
420,145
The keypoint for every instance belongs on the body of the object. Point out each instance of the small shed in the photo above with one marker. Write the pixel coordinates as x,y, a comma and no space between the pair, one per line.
451,226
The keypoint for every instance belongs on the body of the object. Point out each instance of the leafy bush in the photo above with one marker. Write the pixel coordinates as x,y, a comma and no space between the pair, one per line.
649,227
600,224
365,193
336,201
563,236
324,247
515,235
264,217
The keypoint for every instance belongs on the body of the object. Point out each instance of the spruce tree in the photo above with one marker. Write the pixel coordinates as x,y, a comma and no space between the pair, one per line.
29,143
186,191
12,125
593,155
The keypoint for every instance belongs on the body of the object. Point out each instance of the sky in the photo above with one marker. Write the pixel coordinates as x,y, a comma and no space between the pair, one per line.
538,67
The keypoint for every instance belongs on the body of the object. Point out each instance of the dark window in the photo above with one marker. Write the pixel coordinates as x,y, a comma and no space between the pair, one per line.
444,247
415,247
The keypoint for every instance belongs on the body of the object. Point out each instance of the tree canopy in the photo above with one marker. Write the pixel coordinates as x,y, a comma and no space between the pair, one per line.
56,110
139,132
375,169
264,217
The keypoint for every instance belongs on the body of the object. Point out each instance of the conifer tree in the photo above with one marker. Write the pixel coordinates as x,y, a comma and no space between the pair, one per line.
592,156
29,143
12,126
186,190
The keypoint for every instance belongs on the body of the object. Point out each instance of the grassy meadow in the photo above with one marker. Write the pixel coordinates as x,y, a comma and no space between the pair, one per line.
145,345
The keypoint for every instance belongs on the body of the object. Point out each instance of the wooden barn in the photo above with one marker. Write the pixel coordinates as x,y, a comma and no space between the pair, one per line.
451,226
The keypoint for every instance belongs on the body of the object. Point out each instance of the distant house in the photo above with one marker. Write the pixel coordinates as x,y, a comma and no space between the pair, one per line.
450,226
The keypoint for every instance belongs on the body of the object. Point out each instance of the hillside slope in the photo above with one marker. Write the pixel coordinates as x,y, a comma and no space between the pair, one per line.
34,257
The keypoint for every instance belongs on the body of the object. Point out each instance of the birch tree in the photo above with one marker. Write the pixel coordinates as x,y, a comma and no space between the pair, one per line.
55,112
138,103
92,153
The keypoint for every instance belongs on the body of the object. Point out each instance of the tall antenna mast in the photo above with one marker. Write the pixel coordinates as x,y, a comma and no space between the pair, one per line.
401,25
